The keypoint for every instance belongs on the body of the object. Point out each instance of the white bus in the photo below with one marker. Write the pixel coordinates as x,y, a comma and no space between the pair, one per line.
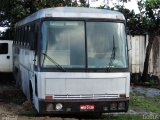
73,60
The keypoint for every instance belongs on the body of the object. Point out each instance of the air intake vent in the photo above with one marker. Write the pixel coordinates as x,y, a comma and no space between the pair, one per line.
94,96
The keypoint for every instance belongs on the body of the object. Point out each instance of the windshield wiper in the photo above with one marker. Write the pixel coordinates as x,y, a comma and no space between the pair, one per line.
54,62
113,54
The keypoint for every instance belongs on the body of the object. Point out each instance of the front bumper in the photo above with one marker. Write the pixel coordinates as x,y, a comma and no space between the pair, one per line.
73,106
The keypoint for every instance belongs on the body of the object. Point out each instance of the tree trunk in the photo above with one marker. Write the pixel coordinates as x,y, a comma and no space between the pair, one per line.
144,77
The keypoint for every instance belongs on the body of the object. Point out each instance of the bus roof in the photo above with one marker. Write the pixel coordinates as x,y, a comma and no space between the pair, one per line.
72,12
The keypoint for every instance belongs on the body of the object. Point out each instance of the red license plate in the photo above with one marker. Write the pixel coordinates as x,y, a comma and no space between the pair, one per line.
87,107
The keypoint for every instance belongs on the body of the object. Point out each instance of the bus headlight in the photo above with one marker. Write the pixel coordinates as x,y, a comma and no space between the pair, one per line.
113,106
121,106
59,106
105,108
49,107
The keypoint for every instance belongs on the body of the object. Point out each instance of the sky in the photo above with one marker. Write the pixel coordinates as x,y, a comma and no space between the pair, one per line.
2,29
132,5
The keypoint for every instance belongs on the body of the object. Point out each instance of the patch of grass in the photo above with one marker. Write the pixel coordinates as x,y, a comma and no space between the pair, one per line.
124,117
151,104
30,113
152,84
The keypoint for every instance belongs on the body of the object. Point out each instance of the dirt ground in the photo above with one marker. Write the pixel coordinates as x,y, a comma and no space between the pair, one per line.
14,106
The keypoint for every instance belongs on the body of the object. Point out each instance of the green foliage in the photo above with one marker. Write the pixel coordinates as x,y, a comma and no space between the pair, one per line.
151,104
133,21
152,20
11,11
147,21
124,0
124,117
83,3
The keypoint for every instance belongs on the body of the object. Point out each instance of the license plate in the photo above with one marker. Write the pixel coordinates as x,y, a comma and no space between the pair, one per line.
87,107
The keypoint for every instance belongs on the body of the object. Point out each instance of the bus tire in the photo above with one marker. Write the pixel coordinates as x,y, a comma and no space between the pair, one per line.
31,91
18,80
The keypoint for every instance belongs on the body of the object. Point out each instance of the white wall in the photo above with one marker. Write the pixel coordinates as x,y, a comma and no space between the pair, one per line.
137,50
137,45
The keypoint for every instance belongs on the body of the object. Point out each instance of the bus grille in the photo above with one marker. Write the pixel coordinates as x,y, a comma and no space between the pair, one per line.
94,96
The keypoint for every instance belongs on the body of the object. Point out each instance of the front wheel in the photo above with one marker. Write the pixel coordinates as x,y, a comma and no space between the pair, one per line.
31,91
18,80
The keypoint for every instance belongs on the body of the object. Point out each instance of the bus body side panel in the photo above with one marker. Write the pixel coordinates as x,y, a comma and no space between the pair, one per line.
23,67
26,63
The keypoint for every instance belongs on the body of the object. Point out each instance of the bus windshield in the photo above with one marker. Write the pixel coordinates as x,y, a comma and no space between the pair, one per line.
76,44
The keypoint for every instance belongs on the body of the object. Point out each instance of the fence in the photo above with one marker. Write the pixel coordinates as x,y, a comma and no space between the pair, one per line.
137,50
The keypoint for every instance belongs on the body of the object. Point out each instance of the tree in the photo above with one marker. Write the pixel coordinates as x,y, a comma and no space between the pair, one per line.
133,21
3,17
146,22
12,11
151,18
124,1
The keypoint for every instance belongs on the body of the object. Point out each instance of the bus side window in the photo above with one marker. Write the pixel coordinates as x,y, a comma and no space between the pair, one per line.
30,35
27,35
37,28
15,36
32,38
3,48
22,32
23,35
18,36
